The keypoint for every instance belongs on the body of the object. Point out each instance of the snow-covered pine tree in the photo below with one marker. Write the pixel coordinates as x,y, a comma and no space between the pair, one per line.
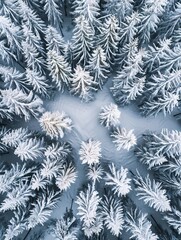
66,176
32,57
118,180
123,139
9,9
37,82
88,206
108,37
38,182
65,229
54,41
82,40
152,193
82,84
165,103
174,219
118,8
13,78
54,124
16,226
129,82
42,209
129,28
53,12
113,217
30,149
12,137
60,71
109,115
95,173
30,18
90,152
139,226
59,150
21,104
98,66
88,9
6,54
12,34
167,142
151,12
17,197
50,168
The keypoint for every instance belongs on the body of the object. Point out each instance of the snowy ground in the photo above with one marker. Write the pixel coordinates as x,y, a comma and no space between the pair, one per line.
86,125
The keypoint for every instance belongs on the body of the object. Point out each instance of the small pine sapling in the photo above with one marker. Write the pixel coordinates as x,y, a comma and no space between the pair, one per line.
54,124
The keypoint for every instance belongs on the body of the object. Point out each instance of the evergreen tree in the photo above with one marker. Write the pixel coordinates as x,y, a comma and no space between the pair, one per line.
150,18
109,115
90,152
123,139
118,180
9,9
59,68
53,12
82,83
50,168
98,66
57,151
83,35
21,104
30,149
109,38
55,124
38,182
139,226
113,214
165,103
174,219
152,193
54,41
6,55
95,173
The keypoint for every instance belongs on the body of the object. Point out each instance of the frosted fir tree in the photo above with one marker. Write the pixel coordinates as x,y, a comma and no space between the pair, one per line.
30,18
54,124
173,166
82,40
37,82
165,103
150,17
123,139
108,37
82,84
65,229
118,180
94,229
6,54
95,173
118,8
50,168
110,115
16,226
54,41
21,104
139,226
12,33
58,151
150,158
17,198
152,193
167,142
59,68
13,78
66,176
129,28
98,66
90,152
88,9
38,182
113,217
161,83
33,58
53,12
42,209
9,9
88,203
30,149
130,81
174,219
